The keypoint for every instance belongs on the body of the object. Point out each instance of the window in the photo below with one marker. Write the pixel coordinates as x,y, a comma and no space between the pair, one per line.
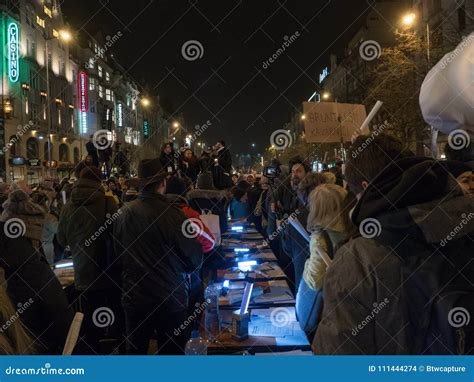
91,83
108,94
55,33
48,12
59,116
91,64
62,68
27,109
101,91
32,148
40,21
99,70
107,76
63,153
12,144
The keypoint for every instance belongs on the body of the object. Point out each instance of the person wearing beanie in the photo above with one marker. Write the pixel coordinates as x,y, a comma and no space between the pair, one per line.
157,248
85,225
463,174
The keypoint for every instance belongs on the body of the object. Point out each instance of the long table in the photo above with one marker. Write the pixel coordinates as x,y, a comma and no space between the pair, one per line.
273,325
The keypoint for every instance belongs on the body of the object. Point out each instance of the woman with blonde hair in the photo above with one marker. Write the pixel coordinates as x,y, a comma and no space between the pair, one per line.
329,224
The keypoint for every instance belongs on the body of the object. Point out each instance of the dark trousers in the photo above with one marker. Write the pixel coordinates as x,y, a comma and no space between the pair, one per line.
103,319
141,322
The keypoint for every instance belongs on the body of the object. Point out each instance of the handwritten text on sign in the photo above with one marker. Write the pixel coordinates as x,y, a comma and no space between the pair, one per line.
329,122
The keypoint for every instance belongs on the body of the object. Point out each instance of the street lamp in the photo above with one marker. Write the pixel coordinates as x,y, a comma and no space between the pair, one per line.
145,102
176,124
326,95
409,19
303,117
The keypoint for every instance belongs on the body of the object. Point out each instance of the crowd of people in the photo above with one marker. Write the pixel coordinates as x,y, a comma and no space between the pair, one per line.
389,232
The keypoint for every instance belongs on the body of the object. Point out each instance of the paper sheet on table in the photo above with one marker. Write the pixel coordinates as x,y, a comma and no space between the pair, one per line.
290,313
263,328
274,297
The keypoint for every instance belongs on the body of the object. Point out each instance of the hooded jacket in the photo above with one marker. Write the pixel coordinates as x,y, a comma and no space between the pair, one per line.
82,225
403,217
155,253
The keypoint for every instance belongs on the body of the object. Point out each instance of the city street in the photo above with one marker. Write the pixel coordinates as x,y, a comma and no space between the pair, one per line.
289,178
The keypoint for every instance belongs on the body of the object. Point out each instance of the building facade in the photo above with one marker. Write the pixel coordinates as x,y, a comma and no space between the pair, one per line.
56,94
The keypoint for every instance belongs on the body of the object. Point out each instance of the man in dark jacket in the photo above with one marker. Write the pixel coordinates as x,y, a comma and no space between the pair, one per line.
394,288
222,167
157,252
85,226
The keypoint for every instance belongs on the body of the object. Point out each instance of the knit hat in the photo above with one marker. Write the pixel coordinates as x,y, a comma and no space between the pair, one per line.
91,173
456,168
176,186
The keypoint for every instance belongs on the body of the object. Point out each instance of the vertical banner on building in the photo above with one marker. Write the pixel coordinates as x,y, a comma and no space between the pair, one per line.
146,129
13,51
83,98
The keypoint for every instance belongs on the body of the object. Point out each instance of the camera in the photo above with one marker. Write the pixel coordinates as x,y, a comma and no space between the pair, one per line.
271,172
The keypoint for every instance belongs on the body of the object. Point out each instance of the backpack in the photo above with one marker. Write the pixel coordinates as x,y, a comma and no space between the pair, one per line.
438,285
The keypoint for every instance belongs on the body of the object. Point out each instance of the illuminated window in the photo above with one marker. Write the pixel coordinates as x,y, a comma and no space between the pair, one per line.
108,94
40,21
91,63
99,70
59,116
26,106
101,91
91,83
48,12
107,76
55,33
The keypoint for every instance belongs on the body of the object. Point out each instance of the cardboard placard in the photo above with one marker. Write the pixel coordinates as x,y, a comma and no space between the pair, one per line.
328,122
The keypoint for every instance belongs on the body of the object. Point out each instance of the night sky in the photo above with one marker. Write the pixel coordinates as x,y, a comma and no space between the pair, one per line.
228,85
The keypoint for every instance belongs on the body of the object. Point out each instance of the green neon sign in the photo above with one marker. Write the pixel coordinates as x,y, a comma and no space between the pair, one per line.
13,34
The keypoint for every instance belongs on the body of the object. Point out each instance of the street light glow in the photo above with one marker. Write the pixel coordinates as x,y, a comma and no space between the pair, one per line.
175,124
303,117
65,35
409,19
145,102
326,95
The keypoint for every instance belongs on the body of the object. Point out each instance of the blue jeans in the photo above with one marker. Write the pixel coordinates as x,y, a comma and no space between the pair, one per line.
309,304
